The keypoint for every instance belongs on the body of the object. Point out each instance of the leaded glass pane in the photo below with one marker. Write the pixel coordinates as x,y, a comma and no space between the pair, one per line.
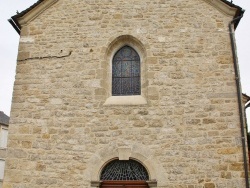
124,170
126,69
125,72
136,83
126,86
135,70
117,84
117,69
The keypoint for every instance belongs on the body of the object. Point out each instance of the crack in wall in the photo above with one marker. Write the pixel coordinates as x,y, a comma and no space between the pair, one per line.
46,57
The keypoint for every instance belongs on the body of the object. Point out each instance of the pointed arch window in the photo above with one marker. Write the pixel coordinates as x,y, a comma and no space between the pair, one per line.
126,78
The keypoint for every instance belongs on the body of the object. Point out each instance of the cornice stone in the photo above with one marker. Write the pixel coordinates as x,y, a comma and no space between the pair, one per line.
224,8
36,11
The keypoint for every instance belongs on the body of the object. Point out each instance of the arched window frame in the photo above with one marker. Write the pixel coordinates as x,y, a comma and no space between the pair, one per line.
124,170
126,72
115,45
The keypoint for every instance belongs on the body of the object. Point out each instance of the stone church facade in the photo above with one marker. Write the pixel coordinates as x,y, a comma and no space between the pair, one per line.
145,84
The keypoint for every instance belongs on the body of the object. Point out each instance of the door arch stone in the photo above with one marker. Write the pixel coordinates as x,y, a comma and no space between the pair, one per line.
136,152
124,170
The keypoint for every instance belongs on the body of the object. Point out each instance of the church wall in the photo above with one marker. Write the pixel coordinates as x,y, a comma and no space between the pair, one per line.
187,135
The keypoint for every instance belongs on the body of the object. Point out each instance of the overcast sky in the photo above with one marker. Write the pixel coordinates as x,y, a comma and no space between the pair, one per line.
9,40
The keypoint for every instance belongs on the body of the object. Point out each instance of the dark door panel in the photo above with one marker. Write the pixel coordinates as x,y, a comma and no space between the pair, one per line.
124,184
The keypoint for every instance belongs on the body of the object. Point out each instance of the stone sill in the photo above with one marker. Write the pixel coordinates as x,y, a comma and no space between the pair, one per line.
125,100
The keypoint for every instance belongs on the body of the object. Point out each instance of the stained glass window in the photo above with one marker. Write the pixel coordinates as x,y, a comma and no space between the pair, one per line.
126,72
124,170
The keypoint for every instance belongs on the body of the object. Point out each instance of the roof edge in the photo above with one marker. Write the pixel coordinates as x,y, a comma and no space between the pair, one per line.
30,13
227,8
41,5
16,27
4,119
4,124
223,6
245,98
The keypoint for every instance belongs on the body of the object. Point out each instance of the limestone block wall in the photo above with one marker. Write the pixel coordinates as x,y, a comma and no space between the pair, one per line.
187,134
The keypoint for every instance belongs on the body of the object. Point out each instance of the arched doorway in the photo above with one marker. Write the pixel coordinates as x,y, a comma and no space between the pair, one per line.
126,174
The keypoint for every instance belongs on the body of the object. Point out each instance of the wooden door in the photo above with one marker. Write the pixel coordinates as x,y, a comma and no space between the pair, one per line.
124,184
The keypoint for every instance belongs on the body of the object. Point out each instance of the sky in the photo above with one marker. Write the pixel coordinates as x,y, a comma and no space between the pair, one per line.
9,40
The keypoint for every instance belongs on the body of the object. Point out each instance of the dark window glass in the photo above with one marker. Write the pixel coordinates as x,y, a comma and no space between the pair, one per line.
124,170
126,72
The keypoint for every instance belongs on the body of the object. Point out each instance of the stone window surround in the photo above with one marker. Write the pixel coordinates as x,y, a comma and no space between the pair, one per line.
114,46
124,153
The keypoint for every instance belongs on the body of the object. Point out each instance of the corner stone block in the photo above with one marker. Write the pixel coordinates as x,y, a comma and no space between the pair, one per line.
153,93
152,60
209,185
56,101
23,55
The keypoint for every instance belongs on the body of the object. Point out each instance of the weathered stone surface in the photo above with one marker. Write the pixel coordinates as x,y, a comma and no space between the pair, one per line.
209,185
186,132
226,175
